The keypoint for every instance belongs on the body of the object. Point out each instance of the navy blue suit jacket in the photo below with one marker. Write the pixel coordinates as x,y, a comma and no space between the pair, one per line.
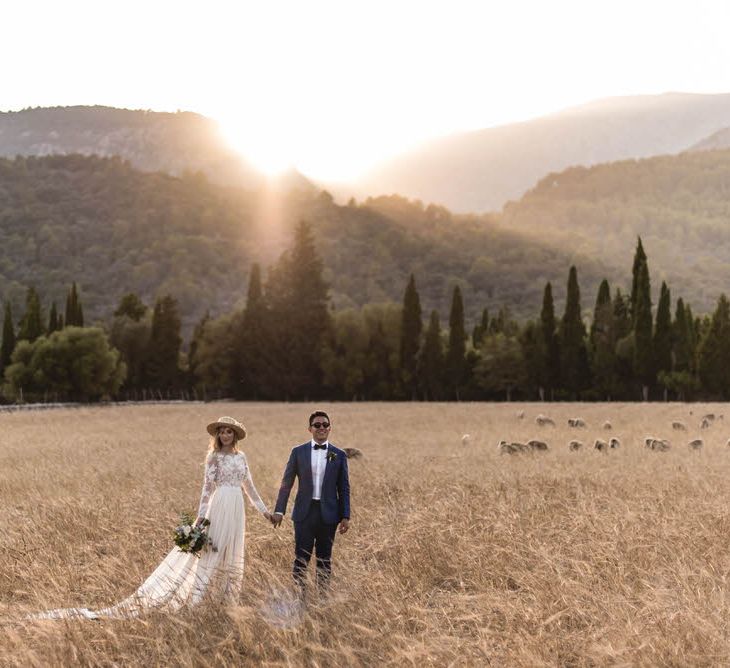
335,496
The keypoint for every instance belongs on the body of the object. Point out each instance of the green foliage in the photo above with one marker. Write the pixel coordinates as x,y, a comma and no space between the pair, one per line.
31,324
603,340
456,351
502,365
72,364
53,322
549,366
431,361
663,332
575,373
644,363
8,342
714,352
410,341
131,306
74,310
162,358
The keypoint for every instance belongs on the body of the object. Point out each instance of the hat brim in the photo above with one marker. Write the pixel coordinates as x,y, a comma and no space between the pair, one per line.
214,426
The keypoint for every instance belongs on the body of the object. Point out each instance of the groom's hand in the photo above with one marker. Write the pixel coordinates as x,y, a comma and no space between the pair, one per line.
276,519
344,525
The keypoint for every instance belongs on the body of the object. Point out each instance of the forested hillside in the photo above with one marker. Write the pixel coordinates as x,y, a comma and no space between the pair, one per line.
151,141
680,205
114,230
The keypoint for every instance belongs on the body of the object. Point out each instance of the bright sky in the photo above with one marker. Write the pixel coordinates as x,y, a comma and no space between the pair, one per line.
333,87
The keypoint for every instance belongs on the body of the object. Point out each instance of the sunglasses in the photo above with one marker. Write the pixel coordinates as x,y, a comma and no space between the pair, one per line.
321,425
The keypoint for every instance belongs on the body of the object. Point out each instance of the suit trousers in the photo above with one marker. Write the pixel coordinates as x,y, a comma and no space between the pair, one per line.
312,535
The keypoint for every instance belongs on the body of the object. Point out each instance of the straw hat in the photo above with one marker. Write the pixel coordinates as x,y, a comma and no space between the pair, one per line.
227,422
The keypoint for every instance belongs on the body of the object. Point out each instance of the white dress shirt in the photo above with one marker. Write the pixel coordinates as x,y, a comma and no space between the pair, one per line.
319,463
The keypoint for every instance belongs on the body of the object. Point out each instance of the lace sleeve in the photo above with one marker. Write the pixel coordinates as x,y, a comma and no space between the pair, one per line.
211,466
250,490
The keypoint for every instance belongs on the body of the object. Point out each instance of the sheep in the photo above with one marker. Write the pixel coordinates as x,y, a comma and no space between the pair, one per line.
537,445
659,444
696,444
511,448
520,415
465,439
576,422
352,453
575,445
607,425
614,443
679,426
709,416
600,445
705,424
543,420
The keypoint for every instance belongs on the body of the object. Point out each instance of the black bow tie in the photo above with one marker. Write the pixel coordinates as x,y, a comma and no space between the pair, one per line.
317,446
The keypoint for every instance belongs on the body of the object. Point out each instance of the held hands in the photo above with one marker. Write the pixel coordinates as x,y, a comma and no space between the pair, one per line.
344,525
275,519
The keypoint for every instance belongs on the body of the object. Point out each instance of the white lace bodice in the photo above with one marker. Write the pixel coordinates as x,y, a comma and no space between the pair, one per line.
231,470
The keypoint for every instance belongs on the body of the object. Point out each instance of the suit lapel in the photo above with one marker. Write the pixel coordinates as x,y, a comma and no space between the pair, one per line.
329,465
306,464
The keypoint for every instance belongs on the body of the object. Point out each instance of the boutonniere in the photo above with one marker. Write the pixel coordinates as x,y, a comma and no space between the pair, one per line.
331,456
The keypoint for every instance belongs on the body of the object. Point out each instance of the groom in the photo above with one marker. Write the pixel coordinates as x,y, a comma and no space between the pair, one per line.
322,501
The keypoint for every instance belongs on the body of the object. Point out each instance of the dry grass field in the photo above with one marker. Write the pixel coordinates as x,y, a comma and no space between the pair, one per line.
457,556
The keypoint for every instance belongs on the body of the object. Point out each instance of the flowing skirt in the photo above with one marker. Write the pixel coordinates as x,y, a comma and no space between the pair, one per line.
186,579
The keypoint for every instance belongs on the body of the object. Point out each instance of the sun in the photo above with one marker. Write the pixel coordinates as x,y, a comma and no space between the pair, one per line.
267,149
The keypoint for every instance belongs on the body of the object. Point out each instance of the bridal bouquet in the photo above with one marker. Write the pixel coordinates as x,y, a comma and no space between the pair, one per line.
191,538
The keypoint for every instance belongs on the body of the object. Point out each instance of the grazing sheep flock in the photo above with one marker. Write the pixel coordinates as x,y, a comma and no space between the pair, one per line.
512,447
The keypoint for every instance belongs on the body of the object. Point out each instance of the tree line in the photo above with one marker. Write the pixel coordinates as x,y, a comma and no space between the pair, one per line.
288,343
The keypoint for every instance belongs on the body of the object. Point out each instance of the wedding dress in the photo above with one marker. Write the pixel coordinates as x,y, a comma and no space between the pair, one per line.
183,578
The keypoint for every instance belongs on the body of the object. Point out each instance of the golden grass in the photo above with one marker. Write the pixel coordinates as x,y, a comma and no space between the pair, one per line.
456,556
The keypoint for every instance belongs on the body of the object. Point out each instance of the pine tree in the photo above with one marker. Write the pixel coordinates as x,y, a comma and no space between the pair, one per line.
573,352
431,361
663,333
410,338
31,325
644,366
53,319
456,353
162,368
714,352
639,259
551,348
8,343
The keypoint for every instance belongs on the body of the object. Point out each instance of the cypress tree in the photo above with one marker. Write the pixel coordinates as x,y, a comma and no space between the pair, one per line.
431,361
31,325
643,352
456,354
53,319
603,343
410,337
72,304
680,338
663,332
8,343
480,329
298,296
639,259
714,352
551,348
621,314
162,368
573,352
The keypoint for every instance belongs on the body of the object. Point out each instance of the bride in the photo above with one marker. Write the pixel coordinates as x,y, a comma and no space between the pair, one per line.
183,578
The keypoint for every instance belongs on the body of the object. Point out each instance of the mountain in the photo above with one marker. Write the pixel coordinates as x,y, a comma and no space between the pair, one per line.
480,171
114,229
151,141
680,205
717,141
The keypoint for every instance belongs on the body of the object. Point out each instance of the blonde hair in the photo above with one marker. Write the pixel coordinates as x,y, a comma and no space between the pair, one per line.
216,445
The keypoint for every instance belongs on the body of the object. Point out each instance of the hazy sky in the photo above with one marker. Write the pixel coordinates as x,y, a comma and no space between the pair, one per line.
332,87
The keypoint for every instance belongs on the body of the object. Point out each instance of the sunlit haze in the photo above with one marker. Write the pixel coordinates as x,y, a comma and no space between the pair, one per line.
332,88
